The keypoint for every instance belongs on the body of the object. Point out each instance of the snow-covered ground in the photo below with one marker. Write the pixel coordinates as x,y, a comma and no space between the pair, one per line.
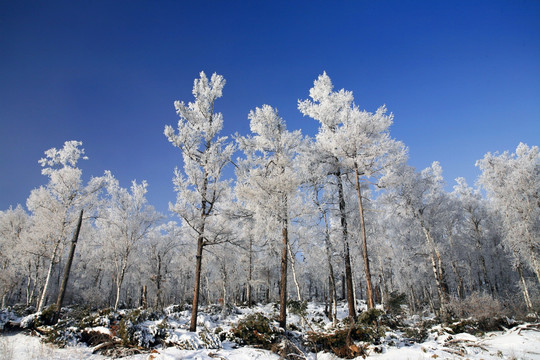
514,344
519,342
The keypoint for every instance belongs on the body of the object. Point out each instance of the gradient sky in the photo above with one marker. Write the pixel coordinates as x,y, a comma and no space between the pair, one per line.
461,77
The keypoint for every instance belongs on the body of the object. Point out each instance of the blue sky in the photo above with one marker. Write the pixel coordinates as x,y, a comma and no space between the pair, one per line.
461,77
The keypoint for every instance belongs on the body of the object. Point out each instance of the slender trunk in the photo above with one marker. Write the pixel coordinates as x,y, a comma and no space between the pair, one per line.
525,289
159,300
293,268
346,253
224,289
283,282
144,296
367,271
67,269
536,267
332,279
196,290
459,288
198,257
412,300
48,278
250,274
442,275
442,289
119,280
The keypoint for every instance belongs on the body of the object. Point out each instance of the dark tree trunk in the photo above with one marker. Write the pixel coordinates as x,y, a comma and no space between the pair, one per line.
250,274
196,290
346,254
67,269
367,271
283,282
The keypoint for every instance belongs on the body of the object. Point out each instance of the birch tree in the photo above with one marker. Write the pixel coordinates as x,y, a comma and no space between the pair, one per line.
512,182
55,206
124,222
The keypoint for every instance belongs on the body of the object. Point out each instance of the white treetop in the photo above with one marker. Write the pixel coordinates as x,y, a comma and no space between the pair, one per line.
512,182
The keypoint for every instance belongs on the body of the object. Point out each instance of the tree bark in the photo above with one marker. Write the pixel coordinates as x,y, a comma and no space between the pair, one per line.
346,253
293,268
196,290
48,278
250,274
67,269
283,281
525,289
367,271
332,279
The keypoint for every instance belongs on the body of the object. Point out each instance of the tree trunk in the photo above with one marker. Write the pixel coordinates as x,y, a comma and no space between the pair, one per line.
442,289
367,271
159,301
48,278
67,269
224,289
144,296
283,282
196,290
346,253
332,279
293,268
525,289
119,280
249,295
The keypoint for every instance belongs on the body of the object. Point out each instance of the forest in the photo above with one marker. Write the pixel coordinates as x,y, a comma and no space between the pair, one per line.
338,218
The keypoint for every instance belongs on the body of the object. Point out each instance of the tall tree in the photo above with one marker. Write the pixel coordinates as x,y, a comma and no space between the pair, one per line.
512,182
198,185
14,227
360,143
124,221
421,198
55,206
267,179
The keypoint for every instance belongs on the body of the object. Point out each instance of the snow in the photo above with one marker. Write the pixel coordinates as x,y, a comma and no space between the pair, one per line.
519,343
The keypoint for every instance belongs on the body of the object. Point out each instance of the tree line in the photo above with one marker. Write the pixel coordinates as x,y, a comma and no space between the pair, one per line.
340,216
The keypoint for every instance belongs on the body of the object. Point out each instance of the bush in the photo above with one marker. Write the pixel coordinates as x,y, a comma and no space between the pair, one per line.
370,316
337,342
257,330
395,301
476,306
297,307
133,335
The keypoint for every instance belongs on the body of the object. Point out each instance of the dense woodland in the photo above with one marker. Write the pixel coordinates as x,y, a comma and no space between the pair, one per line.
341,216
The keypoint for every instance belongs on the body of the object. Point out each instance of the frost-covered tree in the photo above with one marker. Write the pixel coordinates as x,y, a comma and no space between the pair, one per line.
14,227
56,206
124,221
359,142
477,231
512,182
198,185
267,180
421,198
160,249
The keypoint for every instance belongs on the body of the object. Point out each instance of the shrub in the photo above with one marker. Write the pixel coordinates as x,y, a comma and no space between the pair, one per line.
255,329
370,316
337,342
297,307
476,306
395,301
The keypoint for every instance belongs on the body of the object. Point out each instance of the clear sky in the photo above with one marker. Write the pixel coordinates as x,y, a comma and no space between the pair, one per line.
461,77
